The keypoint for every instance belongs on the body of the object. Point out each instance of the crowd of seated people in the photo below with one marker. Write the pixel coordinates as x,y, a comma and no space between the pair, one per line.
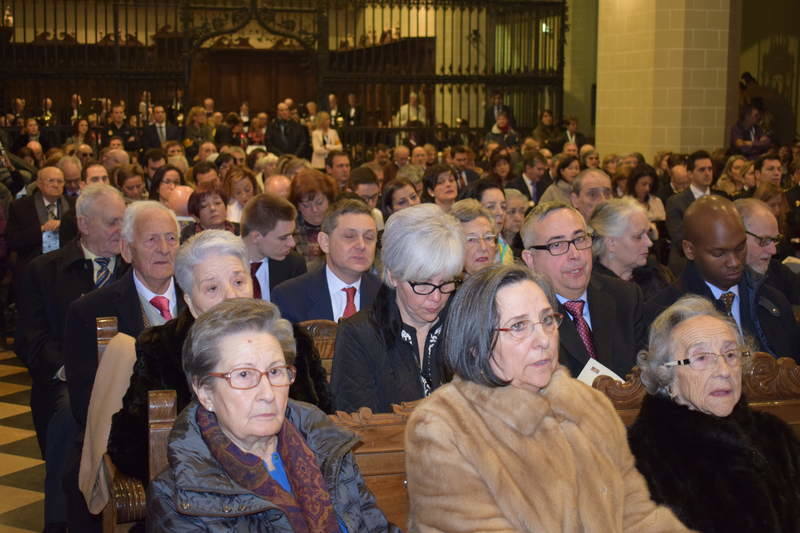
481,278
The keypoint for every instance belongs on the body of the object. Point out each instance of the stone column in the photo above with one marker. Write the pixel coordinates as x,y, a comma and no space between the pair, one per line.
664,75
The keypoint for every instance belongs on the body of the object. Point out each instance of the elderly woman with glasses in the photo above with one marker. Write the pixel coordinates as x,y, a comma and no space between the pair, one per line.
718,464
480,234
210,267
391,353
243,456
514,443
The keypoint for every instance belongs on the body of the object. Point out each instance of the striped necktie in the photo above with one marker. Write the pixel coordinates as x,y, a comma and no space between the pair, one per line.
104,274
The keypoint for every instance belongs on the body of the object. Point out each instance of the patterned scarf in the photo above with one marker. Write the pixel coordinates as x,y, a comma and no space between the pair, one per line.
309,508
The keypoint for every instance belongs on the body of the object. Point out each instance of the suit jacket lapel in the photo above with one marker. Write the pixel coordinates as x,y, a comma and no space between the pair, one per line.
319,296
41,210
572,348
603,312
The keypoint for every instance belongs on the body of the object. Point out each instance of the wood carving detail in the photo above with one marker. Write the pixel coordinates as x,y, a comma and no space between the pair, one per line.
623,395
770,379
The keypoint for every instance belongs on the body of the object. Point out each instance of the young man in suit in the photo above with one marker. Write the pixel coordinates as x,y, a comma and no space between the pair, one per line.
701,172
160,131
267,224
145,296
344,285
602,315
50,283
715,244
534,179
460,162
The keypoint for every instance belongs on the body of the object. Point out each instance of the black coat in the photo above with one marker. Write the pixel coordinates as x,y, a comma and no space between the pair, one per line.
293,141
766,315
719,475
784,280
24,232
49,285
150,135
618,328
159,367
370,369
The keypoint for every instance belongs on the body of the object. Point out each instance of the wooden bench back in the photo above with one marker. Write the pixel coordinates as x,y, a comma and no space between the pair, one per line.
769,384
106,327
323,332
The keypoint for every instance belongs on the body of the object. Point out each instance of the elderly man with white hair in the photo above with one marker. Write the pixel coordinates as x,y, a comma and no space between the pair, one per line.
145,296
51,282
763,238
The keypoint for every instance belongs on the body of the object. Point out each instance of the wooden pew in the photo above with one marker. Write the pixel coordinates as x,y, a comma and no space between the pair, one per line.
769,384
324,334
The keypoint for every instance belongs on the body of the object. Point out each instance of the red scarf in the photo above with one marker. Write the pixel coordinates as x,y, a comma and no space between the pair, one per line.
309,507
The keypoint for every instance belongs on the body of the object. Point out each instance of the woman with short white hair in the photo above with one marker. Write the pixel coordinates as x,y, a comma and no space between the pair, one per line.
390,353
718,464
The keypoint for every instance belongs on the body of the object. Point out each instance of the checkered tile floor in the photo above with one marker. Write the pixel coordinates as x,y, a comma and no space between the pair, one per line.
21,465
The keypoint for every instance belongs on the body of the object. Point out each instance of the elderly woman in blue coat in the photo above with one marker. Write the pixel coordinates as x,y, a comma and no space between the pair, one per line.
242,456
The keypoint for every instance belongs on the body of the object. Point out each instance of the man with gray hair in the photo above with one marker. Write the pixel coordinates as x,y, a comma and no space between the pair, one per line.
71,167
763,238
49,285
590,188
145,296
605,314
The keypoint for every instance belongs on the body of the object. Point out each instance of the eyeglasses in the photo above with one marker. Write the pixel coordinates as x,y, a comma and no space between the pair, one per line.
704,361
524,328
249,378
766,240
424,289
561,247
475,240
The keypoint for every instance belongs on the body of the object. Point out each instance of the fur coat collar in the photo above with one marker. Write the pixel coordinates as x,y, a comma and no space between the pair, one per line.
737,473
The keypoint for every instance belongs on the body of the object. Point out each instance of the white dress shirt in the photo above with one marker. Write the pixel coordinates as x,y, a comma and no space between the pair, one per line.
586,315
338,296
262,275
735,309
145,295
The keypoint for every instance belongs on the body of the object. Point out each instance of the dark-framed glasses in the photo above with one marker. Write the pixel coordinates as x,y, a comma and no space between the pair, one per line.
423,288
249,378
706,360
522,329
581,242
766,240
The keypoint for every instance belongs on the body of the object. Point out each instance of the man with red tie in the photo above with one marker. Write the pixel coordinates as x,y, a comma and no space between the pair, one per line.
603,316
344,285
268,223
145,296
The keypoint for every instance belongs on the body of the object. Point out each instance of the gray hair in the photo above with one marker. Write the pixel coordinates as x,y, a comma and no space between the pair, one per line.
69,160
138,209
611,220
538,214
470,336
422,242
89,196
412,173
750,207
201,353
577,183
656,378
201,246
514,194
469,209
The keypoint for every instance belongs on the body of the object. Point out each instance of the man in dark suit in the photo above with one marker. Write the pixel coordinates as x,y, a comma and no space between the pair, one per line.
677,178
715,243
50,283
32,133
534,179
145,296
160,131
460,160
495,109
267,225
353,113
343,286
700,169
285,136
34,221
602,315
120,128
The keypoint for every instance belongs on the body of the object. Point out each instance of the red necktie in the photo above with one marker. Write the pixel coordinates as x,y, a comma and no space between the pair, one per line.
162,304
350,307
575,308
256,285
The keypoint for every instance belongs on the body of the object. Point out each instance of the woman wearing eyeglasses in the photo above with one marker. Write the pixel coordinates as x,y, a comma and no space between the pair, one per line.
242,456
718,464
514,443
391,353
480,234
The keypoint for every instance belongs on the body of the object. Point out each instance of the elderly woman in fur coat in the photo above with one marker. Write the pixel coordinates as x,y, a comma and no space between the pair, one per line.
719,465
514,443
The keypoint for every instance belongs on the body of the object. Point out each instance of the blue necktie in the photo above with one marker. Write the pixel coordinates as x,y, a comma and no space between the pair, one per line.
104,274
